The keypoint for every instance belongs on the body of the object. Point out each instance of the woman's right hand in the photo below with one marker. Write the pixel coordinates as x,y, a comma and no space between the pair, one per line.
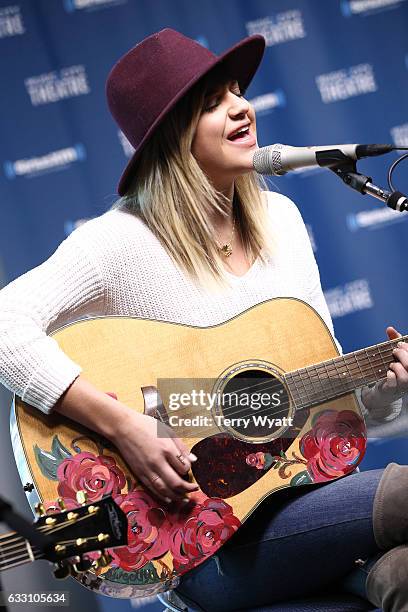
154,455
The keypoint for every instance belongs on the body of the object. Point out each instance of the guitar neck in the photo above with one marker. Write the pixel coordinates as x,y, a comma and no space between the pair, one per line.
15,550
336,377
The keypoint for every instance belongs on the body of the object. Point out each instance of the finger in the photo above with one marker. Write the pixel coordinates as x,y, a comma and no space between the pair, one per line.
177,486
401,375
151,486
391,382
392,333
401,355
179,462
181,459
160,485
403,346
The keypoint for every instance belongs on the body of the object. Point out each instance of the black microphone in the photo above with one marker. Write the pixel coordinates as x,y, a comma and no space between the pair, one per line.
278,159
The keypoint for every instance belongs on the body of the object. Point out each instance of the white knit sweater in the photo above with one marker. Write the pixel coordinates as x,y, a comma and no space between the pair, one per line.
114,265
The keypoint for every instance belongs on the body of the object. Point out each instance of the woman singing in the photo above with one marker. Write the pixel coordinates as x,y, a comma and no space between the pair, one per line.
197,239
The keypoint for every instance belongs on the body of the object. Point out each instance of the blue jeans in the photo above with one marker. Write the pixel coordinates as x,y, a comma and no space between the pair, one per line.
297,543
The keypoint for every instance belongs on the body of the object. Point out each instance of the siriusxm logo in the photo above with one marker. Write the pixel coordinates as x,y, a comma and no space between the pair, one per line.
11,21
128,150
348,83
399,135
362,7
77,5
56,160
374,218
279,28
348,298
52,86
265,103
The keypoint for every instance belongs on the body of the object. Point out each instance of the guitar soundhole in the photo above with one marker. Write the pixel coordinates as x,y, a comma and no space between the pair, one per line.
255,405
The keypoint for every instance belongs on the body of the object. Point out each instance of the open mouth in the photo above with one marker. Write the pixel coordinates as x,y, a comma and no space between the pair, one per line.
239,134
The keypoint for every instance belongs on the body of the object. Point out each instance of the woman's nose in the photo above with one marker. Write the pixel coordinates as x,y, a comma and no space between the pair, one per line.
239,106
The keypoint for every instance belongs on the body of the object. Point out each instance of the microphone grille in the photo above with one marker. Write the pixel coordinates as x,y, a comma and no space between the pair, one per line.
268,160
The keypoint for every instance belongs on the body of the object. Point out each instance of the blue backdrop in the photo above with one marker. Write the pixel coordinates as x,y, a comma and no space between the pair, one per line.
334,71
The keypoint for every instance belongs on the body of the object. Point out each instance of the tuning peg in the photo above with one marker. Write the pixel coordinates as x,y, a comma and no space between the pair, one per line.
39,509
60,549
50,520
81,497
61,503
81,541
61,571
93,509
103,538
72,516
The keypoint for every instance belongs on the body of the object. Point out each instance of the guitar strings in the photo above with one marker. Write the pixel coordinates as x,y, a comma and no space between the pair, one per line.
6,550
22,558
339,388
339,385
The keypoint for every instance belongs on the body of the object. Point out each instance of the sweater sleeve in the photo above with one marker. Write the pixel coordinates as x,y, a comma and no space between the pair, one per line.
66,287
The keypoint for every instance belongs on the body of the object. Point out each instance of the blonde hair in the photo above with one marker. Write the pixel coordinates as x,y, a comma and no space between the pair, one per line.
174,197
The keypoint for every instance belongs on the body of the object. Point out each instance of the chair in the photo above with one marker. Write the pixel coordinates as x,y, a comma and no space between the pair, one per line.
326,602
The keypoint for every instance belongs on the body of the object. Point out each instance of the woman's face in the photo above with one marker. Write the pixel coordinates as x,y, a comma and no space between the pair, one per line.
225,139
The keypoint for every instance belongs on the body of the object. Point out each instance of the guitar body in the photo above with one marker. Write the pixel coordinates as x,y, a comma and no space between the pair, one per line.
235,471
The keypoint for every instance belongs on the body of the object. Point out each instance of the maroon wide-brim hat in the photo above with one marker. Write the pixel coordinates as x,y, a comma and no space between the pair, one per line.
147,82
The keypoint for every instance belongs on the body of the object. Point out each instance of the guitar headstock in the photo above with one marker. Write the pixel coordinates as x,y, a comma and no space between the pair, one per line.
86,528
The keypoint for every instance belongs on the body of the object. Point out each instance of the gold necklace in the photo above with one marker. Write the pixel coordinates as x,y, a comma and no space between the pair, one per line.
226,249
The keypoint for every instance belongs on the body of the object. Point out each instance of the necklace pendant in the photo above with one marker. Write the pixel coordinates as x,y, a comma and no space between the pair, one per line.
226,250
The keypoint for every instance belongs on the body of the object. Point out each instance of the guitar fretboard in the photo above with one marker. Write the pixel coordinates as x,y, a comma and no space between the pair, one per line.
341,375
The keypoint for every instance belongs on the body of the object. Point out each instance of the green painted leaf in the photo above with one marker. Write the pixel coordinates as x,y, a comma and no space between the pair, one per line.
48,462
145,575
268,461
277,464
58,449
301,479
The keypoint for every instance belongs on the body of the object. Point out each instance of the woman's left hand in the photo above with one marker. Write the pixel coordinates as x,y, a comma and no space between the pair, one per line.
396,384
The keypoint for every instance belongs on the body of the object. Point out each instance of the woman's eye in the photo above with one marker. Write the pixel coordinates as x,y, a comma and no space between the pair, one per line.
212,105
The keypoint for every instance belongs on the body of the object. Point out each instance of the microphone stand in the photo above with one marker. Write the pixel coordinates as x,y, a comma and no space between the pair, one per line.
24,528
347,171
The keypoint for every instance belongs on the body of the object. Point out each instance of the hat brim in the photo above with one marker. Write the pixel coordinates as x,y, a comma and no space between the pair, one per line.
241,62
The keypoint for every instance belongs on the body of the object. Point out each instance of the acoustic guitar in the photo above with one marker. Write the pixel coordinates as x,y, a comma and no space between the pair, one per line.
264,400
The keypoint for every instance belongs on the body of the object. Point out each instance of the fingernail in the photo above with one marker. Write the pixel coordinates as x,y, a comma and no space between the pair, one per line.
401,344
185,500
192,457
167,500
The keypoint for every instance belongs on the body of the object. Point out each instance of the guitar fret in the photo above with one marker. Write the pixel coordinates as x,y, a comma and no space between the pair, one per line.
340,374
370,362
304,386
379,372
319,380
362,376
293,377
